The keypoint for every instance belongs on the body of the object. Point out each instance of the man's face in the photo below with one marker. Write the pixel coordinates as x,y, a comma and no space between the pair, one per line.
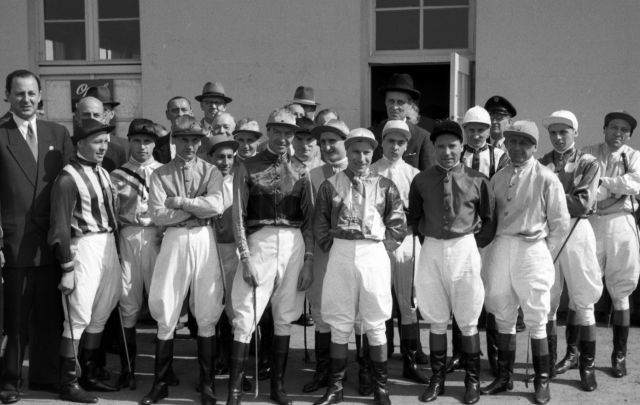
90,108
520,148
141,147
109,114
397,103
309,111
223,124
303,145
222,158
24,97
248,144
332,147
297,110
562,136
617,133
212,106
476,134
280,137
393,146
177,108
359,156
448,149
499,122
94,147
187,146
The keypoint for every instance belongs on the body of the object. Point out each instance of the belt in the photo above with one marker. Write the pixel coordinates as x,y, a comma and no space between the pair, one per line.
192,223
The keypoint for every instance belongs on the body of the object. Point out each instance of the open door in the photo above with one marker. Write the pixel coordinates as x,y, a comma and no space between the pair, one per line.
460,86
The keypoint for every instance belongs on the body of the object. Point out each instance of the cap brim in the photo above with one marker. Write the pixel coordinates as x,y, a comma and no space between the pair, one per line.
302,101
415,94
622,116
406,134
230,143
547,122
153,135
203,96
317,131
112,104
247,131
283,124
189,133
355,139
508,133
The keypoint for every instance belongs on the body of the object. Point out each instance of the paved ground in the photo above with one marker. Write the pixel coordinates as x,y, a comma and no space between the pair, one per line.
564,389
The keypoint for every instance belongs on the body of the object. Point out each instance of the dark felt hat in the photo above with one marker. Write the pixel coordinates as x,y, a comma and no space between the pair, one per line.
305,125
142,126
103,94
401,82
90,127
305,96
213,89
500,104
447,127
622,115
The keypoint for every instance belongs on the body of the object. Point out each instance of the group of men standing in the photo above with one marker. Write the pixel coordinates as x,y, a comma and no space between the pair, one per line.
216,214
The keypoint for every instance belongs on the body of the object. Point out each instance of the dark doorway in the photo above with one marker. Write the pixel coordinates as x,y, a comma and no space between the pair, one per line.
431,80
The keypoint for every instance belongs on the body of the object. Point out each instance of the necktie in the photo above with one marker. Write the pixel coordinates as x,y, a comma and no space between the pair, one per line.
32,142
475,163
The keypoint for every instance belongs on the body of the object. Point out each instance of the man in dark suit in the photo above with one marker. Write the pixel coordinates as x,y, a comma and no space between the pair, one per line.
399,97
32,153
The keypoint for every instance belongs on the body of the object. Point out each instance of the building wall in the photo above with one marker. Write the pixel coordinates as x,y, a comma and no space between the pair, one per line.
547,55
15,33
260,50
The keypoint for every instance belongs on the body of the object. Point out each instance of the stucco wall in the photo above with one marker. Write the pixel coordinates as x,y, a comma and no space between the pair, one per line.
260,50
15,33
546,55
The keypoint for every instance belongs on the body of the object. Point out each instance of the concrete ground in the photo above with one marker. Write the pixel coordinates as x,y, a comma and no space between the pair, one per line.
564,389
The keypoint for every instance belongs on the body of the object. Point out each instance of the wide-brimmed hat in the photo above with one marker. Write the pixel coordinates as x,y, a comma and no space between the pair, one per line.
248,126
305,96
622,115
524,128
103,94
219,141
338,127
142,126
186,125
561,117
500,104
446,127
282,117
401,82
358,135
89,127
214,89
396,127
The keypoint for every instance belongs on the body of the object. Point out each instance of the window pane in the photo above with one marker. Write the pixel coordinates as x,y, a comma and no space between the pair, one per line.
64,41
431,3
64,9
118,9
446,28
397,3
397,30
119,40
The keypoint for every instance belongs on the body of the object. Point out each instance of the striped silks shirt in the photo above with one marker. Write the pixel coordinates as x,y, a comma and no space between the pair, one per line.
132,181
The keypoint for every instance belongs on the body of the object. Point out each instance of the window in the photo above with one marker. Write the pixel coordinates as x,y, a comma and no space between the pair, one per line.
91,30
410,25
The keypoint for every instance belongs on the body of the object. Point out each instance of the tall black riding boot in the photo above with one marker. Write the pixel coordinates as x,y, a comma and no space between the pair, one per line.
321,376
224,342
410,344
619,353
438,357
335,389
492,344
128,377
506,358
471,356
70,390
164,357
570,360
266,345
206,356
455,363
239,354
587,365
541,368
365,386
279,365
380,391
90,377
390,333
552,339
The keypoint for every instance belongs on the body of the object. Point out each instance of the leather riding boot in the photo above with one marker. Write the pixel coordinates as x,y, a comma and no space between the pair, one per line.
164,356
321,376
438,357
70,390
492,344
390,333
223,349
587,365
206,356
365,385
541,380
239,354
90,377
570,360
410,344
506,358
280,354
266,345
379,377
619,353
127,377
455,363
335,389
471,356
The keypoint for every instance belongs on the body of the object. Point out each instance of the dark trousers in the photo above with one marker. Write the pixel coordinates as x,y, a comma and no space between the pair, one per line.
33,320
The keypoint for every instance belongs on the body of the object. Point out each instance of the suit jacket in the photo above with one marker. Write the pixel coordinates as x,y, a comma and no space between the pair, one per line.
162,151
25,188
420,152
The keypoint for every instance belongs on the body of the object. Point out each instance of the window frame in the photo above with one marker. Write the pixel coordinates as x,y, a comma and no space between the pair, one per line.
92,40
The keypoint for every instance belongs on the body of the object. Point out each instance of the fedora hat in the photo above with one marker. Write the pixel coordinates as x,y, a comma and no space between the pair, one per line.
90,127
213,89
103,94
142,126
304,95
187,126
305,125
401,82
337,127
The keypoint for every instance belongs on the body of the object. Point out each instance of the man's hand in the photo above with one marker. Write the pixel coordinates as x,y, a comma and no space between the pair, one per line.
68,282
249,273
2,261
305,278
173,203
